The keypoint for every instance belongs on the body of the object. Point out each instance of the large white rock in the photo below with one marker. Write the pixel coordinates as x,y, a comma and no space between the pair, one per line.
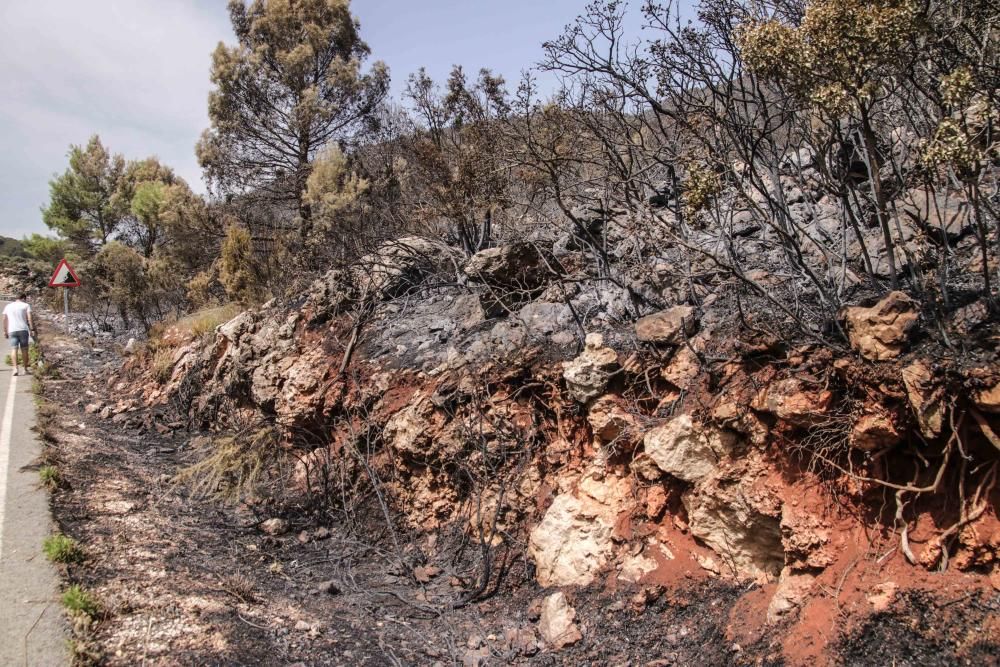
572,543
688,451
557,622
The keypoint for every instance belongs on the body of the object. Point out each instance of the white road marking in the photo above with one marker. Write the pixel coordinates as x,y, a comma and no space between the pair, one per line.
5,428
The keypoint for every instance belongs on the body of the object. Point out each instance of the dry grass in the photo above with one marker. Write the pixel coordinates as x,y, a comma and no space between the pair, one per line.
162,364
166,338
197,324
235,466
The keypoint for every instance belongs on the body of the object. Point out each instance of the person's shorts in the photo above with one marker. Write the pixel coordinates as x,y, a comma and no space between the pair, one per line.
18,339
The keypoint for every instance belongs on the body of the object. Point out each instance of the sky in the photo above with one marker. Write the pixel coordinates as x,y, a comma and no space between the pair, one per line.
136,73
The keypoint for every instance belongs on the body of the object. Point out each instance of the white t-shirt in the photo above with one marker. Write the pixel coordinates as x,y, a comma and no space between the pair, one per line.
17,314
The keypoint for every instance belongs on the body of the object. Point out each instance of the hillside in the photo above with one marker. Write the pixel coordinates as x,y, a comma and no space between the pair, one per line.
693,361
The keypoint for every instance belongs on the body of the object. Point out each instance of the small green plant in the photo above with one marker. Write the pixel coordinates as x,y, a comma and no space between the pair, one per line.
50,477
78,601
61,548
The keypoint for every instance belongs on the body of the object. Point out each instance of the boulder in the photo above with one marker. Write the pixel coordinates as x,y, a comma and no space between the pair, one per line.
925,398
395,268
874,431
945,219
794,401
683,368
668,327
130,347
557,622
572,543
587,376
686,450
881,331
518,265
740,522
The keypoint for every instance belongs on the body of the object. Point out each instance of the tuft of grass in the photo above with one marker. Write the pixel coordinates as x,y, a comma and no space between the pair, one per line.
78,601
61,548
236,464
205,321
162,364
46,418
50,477
82,653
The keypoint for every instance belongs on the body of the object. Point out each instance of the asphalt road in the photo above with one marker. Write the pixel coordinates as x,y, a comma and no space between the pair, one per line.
32,627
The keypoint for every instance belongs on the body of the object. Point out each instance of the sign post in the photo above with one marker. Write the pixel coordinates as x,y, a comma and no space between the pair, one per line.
64,277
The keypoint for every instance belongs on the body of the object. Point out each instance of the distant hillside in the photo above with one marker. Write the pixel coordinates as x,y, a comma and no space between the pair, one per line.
11,247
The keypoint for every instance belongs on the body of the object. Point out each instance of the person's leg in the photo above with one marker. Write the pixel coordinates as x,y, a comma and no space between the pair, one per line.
15,348
26,353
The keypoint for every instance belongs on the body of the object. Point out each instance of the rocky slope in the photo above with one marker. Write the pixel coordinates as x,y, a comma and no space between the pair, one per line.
562,421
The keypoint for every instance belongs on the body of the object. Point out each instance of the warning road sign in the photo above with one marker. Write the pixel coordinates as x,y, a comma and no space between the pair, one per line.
64,276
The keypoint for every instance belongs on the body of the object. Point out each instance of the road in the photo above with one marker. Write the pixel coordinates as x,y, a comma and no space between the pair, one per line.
32,626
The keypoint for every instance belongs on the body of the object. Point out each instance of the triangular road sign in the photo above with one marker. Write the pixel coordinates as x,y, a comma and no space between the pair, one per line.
64,276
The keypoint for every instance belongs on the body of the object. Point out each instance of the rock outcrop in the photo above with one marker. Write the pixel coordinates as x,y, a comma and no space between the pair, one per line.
668,327
588,375
689,451
882,331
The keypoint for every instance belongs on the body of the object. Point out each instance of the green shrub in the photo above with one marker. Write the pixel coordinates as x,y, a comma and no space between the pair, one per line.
60,548
78,601
50,477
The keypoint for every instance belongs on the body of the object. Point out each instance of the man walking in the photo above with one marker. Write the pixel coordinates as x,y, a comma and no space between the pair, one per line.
18,326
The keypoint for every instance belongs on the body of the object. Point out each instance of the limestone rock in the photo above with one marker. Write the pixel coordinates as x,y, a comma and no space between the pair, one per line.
882,596
688,451
670,327
397,266
409,430
587,376
873,431
793,589
518,265
806,540
572,542
881,331
925,398
557,623
943,217
645,468
683,368
794,400
609,420
130,347
740,523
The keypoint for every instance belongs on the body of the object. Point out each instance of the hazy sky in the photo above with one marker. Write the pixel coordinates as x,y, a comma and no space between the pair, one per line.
136,73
